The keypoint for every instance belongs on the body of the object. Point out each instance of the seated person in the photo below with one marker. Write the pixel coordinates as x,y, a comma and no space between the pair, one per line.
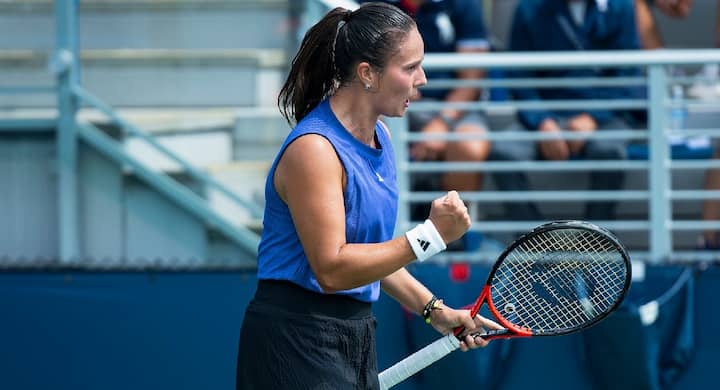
449,27
564,25
710,239
651,38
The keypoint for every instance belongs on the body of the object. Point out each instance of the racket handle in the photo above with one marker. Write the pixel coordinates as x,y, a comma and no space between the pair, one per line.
417,361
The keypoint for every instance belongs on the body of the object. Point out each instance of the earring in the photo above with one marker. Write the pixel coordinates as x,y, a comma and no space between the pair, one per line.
367,87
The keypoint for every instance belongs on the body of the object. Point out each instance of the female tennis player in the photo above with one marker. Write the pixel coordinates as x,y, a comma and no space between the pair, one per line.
327,244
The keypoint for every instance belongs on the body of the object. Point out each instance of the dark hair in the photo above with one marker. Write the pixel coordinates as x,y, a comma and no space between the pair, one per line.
333,46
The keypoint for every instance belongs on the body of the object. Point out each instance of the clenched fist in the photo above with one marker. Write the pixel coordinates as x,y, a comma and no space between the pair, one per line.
450,216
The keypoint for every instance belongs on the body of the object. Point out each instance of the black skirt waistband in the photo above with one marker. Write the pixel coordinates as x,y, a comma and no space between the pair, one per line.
296,299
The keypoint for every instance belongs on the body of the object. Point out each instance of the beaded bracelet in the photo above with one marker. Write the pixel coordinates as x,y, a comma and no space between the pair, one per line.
433,304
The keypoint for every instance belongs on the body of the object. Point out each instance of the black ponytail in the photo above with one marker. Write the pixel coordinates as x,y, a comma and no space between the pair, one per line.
333,46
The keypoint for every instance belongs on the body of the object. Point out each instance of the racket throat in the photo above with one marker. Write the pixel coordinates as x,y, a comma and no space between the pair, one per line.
474,309
484,295
494,334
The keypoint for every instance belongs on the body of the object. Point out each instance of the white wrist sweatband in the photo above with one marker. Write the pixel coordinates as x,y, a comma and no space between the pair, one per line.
425,240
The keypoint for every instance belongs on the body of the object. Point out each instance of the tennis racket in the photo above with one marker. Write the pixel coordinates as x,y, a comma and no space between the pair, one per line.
559,278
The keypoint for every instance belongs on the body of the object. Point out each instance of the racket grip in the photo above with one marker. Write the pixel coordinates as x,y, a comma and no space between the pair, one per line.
417,361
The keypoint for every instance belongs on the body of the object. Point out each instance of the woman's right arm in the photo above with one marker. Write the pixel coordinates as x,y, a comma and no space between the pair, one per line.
310,179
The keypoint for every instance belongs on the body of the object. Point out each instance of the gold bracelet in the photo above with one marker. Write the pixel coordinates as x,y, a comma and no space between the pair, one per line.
433,304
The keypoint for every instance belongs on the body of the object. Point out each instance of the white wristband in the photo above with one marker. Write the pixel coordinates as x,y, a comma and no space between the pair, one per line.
425,240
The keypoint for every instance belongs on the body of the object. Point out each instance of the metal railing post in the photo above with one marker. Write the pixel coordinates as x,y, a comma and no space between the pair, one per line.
65,64
399,130
660,238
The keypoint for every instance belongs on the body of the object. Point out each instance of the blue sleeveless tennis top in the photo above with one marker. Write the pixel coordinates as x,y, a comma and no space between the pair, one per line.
370,203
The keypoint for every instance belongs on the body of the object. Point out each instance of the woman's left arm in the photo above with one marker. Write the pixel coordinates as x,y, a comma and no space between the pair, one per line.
412,294
407,290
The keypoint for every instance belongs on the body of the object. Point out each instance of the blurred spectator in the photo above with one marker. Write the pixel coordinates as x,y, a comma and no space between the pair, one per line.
647,26
564,25
651,38
677,9
710,239
450,26
707,89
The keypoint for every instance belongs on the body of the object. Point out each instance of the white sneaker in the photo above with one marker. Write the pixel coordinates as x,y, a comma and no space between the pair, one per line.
708,87
705,91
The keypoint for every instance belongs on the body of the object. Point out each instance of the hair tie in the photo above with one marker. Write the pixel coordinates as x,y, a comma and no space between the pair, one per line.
346,18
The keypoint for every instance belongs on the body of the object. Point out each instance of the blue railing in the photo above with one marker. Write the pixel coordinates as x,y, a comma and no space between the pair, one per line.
71,96
660,223
131,130
659,194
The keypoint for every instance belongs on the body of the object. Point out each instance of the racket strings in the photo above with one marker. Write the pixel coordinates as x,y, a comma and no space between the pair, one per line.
559,280
572,281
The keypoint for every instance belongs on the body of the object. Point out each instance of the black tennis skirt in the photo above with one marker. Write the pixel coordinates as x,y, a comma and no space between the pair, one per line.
293,338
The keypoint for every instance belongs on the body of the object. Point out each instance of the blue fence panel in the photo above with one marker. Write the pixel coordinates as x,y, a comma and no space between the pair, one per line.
150,330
